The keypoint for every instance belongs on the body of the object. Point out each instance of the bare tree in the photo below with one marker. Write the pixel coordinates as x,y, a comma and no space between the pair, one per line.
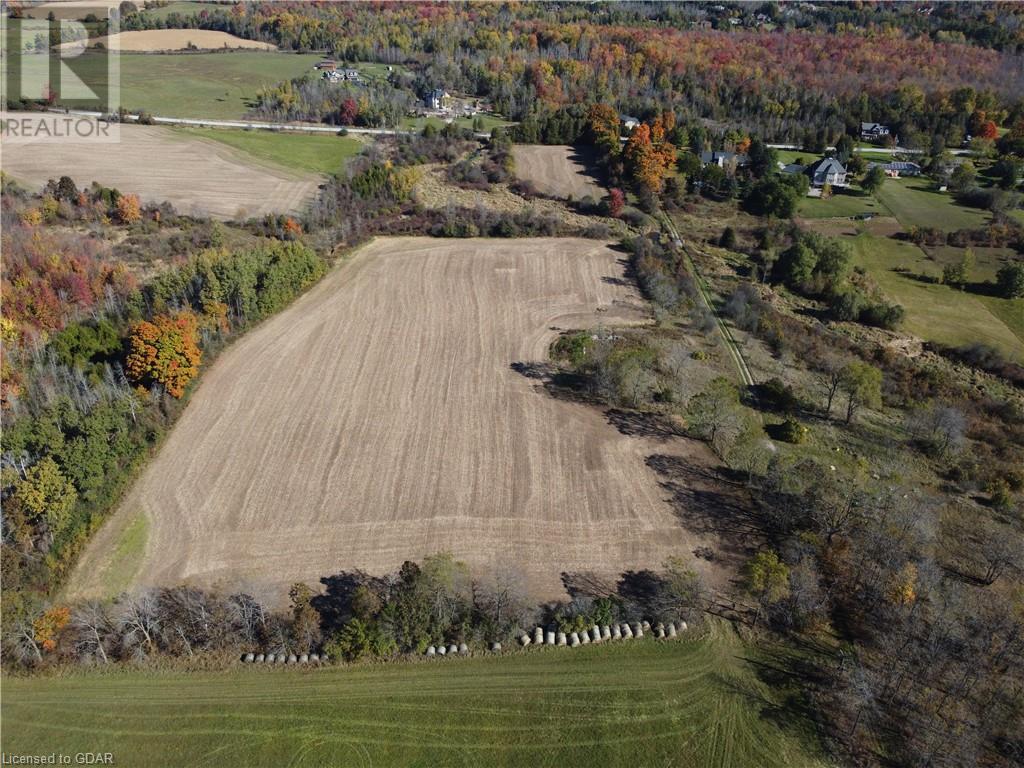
138,622
93,629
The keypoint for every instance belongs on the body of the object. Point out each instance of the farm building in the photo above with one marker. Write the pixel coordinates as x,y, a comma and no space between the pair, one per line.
897,168
325,65
629,122
439,98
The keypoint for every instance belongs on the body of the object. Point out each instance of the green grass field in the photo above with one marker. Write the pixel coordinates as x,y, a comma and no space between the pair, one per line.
418,123
699,702
916,204
217,86
320,153
184,7
938,312
840,204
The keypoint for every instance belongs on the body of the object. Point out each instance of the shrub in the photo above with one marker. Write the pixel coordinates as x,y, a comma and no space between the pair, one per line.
791,431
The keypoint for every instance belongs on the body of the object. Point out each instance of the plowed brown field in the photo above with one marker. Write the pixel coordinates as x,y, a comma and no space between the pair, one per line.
555,171
380,419
197,176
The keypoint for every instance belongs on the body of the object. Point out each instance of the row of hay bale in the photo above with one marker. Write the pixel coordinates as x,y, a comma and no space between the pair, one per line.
598,634
284,658
451,650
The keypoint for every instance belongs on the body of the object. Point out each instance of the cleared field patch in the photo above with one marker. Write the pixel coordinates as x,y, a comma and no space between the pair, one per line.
916,204
691,703
69,9
555,171
169,40
197,176
317,153
215,86
939,312
383,417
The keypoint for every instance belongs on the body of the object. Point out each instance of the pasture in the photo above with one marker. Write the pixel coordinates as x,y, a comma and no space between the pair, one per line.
700,702
392,413
916,203
939,312
555,171
315,153
215,86
195,175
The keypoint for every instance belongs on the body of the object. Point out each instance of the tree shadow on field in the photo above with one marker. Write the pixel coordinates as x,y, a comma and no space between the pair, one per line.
586,584
559,384
707,502
639,424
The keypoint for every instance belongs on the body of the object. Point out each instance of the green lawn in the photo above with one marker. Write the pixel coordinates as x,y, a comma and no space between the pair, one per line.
694,702
938,312
916,203
418,123
218,86
840,204
320,153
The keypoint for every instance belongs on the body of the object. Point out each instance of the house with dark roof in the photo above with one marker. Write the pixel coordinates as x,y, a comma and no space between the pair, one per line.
897,168
827,170
871,131
722,158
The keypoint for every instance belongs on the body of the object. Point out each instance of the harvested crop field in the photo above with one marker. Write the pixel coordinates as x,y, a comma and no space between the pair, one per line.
198,176
170,40
555,171
382,418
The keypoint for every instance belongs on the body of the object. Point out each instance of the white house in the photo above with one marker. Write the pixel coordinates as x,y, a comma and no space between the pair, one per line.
439,98
827,170
629,122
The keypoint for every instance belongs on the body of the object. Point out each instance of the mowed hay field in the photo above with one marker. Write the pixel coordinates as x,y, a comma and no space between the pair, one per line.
555,171
380,419
169,40
686,703
196,175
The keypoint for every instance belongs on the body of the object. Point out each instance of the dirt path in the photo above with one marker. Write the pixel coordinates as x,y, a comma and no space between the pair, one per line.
380,419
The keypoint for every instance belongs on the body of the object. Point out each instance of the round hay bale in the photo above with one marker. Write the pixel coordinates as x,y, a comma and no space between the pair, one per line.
606,632
538,636
524,640
324,658
549,639
453,649
293,659
441,650
682,626
659,631
314,658
574,639
304,658
248,658
271,658
671,629
496,647
259,658
280,658
616,632
463,648
638,630
585,637
561,638
627,632
647,626
595,633
431,651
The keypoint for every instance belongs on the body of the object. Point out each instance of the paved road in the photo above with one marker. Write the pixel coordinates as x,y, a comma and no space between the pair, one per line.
730,341
880,150
259,125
